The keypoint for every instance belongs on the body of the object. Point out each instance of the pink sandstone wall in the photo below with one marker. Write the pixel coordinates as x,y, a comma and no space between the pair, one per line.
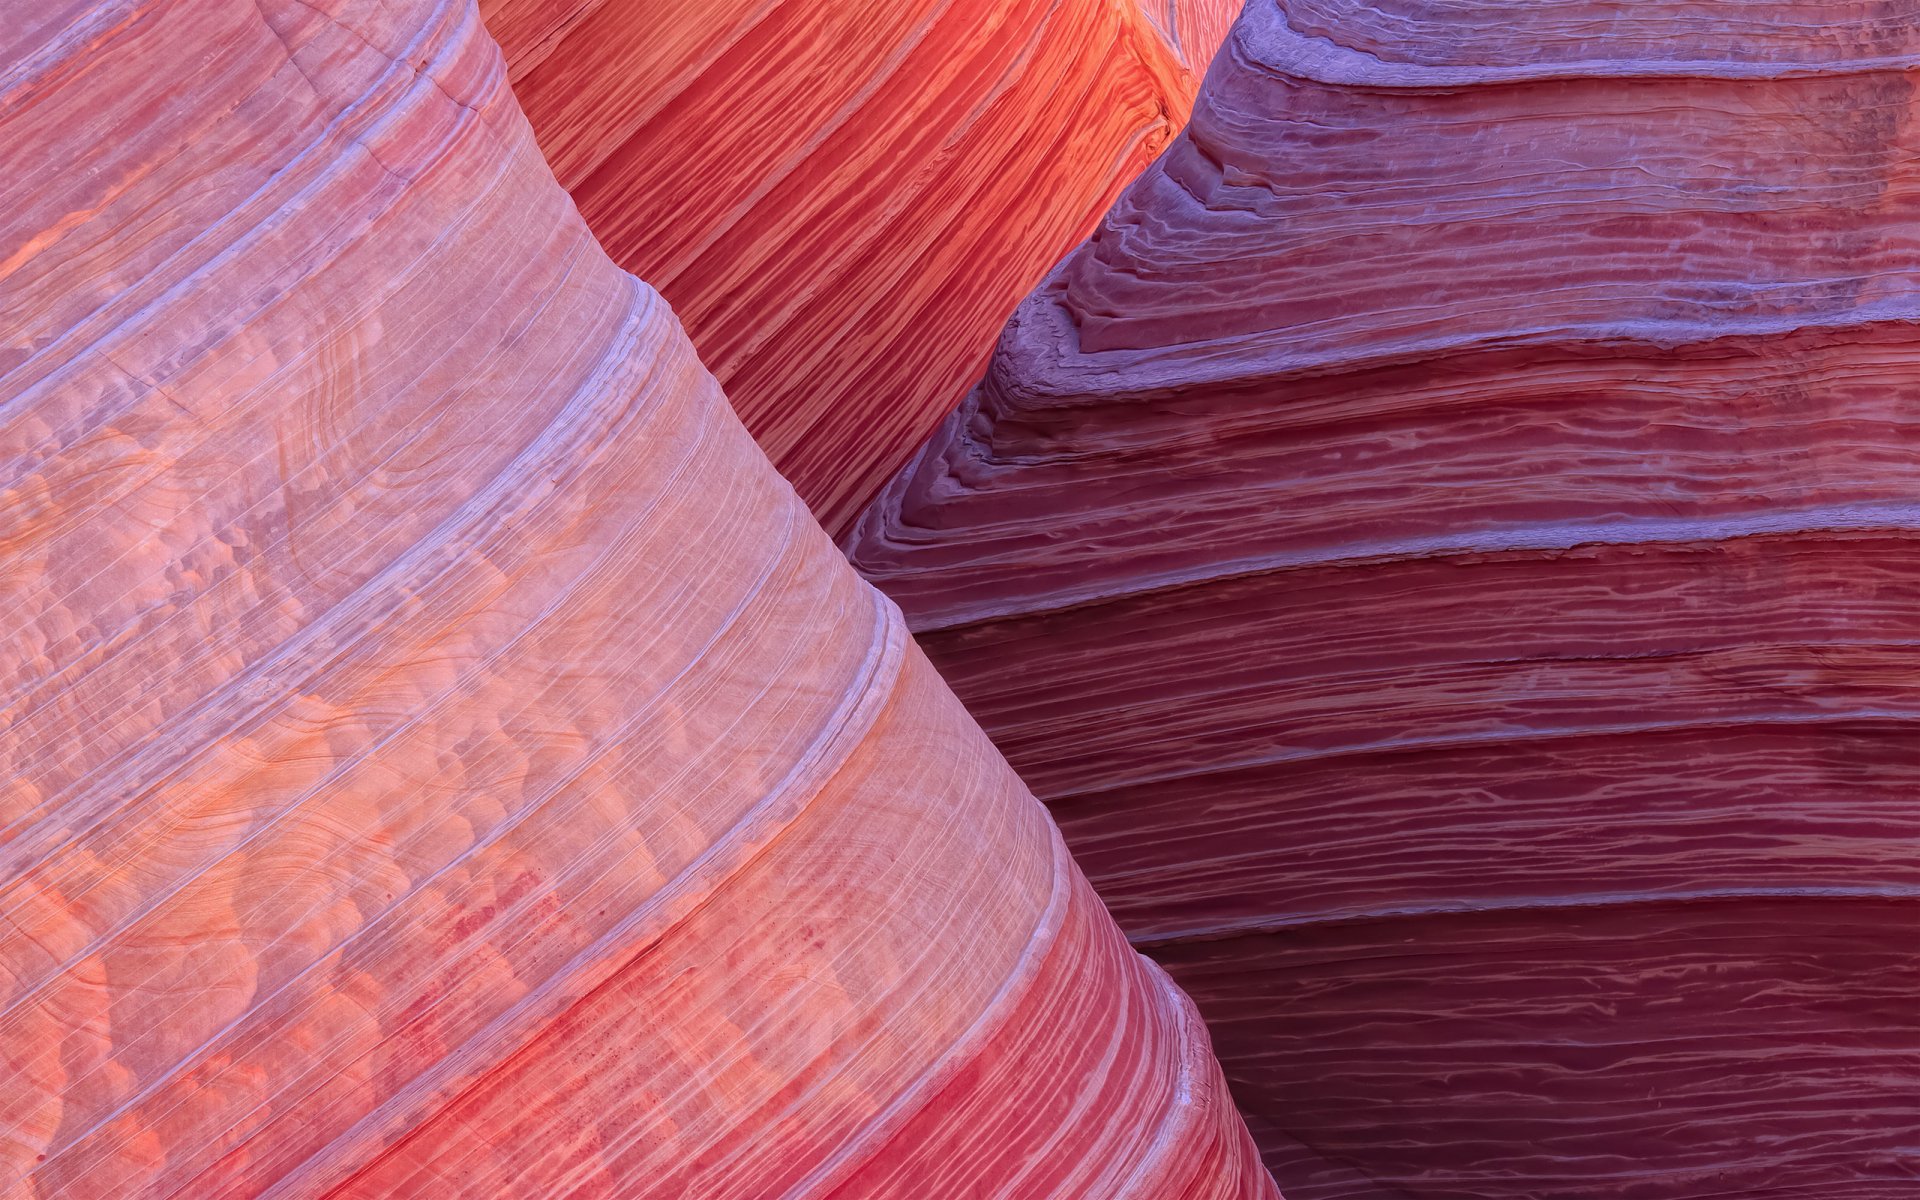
444,758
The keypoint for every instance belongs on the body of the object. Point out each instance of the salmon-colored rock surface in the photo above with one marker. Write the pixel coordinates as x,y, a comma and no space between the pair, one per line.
843,199
1445,551
443,758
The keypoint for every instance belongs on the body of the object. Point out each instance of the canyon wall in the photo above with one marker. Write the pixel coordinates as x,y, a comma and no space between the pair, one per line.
843,199
1444,549
444,758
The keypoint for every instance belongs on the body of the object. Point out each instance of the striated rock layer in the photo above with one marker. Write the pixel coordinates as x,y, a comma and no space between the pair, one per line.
1445,549
843,199
444,759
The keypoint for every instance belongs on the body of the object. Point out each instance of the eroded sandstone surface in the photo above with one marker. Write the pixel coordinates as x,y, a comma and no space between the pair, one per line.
843,199
443,757
1444,550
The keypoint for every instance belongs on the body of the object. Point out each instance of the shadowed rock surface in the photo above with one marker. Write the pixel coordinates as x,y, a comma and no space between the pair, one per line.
1445,551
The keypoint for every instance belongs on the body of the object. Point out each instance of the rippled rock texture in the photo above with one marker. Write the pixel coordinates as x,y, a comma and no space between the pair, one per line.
1445,551
444,759
843,199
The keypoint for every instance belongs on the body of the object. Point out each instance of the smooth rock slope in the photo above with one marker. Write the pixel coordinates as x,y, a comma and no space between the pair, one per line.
1445,550
843,199
443,757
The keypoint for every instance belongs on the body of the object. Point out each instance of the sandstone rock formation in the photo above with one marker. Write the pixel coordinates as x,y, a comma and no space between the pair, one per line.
1445,551
843,199
444,759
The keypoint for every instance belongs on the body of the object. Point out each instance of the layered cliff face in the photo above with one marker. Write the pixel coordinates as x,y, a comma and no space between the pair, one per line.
444,759
1445,551
843,199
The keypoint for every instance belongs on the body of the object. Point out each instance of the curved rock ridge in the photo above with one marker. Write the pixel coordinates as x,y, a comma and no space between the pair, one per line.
444,758
1648,36
843,199
1445,549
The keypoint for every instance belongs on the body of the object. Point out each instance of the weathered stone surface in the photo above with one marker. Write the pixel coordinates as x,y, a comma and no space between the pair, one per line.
1445,551
843,199
443,757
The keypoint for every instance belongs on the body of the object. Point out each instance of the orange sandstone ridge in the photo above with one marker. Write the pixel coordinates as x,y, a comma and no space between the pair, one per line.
1445,549
444,757
843,199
